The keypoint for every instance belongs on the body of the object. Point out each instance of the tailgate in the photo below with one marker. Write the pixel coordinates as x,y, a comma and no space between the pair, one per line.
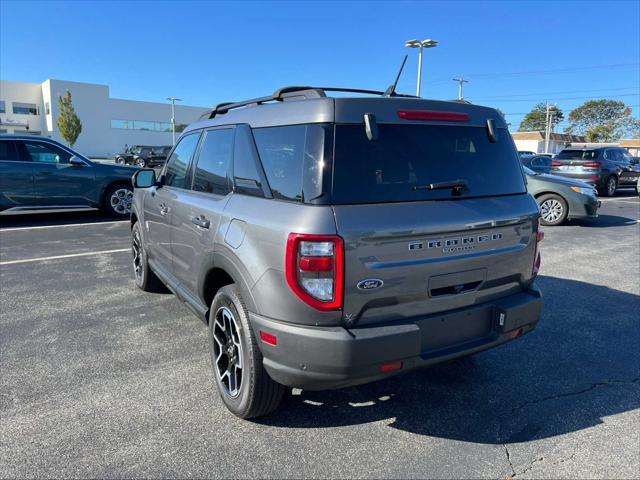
411,259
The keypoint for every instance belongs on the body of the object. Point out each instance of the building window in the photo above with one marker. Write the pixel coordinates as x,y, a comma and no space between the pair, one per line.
25,108
142,125
47,111
2,110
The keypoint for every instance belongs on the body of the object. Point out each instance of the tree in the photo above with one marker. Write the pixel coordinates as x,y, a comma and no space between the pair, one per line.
68,122
536,119
602,121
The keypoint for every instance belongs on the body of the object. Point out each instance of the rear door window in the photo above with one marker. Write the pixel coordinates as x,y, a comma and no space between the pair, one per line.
406,159
211,174
178,163
8,151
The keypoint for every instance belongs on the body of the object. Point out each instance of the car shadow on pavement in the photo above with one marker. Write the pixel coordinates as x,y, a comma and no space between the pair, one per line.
56,218
581,365
603,221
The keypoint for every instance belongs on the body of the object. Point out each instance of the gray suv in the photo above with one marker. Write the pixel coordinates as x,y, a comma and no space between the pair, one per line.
330,242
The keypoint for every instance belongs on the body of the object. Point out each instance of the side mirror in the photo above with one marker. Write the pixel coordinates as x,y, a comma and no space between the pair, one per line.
75,161
144,178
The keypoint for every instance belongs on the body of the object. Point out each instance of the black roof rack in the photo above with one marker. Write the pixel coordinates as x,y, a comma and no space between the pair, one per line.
284,93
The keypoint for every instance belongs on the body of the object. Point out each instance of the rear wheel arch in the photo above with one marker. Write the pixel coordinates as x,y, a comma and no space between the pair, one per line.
218,273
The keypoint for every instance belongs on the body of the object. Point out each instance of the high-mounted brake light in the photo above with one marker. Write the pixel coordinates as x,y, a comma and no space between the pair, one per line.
429,115
315,269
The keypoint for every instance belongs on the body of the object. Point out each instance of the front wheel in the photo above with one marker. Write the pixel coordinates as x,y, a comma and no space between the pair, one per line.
118,200
553,210
140,162
145,279
244,385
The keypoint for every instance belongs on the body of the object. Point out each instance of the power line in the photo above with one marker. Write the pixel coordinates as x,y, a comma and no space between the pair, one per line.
567,98
565,91
544,72
524,113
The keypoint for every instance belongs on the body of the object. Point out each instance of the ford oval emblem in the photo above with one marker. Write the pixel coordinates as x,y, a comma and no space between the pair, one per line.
370,284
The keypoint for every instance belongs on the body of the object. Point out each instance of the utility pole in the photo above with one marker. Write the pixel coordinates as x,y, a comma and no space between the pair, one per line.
173,101
460,81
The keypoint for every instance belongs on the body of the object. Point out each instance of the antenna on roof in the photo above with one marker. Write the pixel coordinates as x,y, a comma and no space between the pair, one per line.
391,91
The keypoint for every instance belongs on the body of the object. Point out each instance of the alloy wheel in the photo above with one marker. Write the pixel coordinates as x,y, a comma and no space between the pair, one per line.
611,186
227,349
551,210
121,200
136,250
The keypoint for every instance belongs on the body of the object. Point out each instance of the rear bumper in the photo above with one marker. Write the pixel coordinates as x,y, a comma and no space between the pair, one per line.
319,358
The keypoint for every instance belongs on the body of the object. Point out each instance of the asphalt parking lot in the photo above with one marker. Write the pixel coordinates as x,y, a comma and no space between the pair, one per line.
99,379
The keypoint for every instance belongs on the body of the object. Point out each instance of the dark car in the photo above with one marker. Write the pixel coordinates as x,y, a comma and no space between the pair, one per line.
334,241
526,153
607,168
561,198
38,173
127,157
537,163
144,156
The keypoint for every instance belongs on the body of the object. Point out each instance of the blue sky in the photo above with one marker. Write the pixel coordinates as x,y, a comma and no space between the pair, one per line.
514,53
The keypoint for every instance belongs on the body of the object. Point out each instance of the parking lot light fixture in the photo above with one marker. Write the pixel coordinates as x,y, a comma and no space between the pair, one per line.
420,44
173,101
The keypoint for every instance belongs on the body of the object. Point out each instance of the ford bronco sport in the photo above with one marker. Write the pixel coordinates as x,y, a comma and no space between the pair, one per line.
333,241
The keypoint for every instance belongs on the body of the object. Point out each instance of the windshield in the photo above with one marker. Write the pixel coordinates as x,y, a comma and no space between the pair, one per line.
578,154
405,160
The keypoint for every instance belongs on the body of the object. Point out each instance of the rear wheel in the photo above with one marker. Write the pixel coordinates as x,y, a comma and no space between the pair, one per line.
145,278
118,200
140,162
610,186
553,209
244,385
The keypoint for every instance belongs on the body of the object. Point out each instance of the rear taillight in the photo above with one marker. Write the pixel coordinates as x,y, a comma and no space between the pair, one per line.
315,269
555,163
429,115
537,259
592,164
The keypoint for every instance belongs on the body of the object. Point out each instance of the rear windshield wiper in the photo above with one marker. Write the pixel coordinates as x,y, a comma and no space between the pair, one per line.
456,186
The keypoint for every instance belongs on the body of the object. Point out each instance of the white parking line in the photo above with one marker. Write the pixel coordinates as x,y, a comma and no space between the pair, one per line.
59,226
71,255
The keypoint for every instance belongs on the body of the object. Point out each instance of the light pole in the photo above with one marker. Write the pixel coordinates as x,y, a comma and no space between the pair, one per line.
428,43
173,101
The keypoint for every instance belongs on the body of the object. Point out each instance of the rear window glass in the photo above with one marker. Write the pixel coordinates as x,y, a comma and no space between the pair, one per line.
405,159
578,154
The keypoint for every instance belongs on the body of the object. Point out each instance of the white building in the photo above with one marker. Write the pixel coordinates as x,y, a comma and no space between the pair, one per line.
107,123
534,141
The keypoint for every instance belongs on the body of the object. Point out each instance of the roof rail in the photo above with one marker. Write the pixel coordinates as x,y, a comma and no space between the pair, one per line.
289,92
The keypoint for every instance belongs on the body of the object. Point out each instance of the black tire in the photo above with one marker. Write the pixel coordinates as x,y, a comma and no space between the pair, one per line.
117,200
119,160
610,186
255,394
141,162
145,279
553,209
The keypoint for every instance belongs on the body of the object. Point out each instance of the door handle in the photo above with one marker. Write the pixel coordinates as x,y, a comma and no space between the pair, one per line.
200,222
163,209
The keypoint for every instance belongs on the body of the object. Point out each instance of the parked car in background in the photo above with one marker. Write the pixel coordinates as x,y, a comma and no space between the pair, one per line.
144,155
37,173
127,157
607,168
537,163
560,198
331,242
526,153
